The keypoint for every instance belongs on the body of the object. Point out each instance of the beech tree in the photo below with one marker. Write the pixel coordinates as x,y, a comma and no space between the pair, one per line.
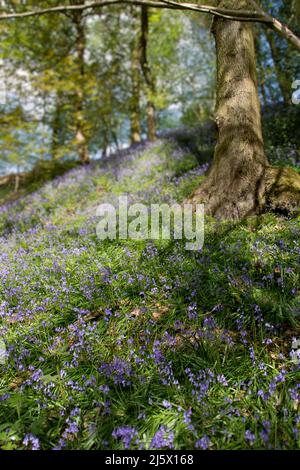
78,20
240,181
140,65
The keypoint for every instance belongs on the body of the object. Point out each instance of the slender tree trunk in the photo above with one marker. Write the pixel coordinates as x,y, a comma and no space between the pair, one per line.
55,137
104,152
56,123
284,81
263,89
135,111
148,75
260,67
240,182
105,143
17,182
115,139
296,9
80,136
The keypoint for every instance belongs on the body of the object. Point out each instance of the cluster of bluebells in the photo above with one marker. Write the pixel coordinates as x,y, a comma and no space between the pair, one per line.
79,330
127,434
31,442
203,443
163,439
118,370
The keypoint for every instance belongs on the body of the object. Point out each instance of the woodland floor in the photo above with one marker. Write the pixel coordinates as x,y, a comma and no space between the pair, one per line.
130,344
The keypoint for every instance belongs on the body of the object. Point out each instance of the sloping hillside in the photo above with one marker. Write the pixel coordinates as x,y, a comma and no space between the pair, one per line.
142,344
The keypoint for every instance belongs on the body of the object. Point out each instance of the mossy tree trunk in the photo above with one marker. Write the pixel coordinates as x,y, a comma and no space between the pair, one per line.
240,181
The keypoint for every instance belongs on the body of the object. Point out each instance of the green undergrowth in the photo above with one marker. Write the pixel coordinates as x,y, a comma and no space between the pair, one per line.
143,344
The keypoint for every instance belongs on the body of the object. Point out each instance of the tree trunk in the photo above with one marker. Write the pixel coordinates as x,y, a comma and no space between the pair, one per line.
263,89
135,112
105,143
260,67
17,182
296,9
235,185
284,81
115,139
240,182
148,75
56,124
80,135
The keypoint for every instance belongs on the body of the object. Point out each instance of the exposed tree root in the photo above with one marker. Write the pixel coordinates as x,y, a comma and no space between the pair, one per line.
276,190
282,186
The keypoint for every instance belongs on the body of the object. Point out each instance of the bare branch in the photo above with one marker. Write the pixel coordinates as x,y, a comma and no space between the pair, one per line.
228,14
257,15
278,27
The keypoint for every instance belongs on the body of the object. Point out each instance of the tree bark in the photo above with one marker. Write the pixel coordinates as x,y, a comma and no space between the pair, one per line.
240,181
148,75
80,134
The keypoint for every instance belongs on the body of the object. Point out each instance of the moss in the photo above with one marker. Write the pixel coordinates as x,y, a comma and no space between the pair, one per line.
282,190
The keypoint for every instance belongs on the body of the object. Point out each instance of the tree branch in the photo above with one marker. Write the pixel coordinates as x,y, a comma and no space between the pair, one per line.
278,27
224,13
257,16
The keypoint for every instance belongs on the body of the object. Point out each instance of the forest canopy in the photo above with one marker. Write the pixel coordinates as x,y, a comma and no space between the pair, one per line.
56,68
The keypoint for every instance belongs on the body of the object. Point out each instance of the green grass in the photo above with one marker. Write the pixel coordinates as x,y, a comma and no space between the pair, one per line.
42,172
110,343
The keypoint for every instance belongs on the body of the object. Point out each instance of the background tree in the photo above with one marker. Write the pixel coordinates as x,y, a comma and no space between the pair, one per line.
148,74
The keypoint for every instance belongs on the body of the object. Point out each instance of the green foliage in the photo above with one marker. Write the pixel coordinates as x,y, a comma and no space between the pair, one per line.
42,78
280,125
